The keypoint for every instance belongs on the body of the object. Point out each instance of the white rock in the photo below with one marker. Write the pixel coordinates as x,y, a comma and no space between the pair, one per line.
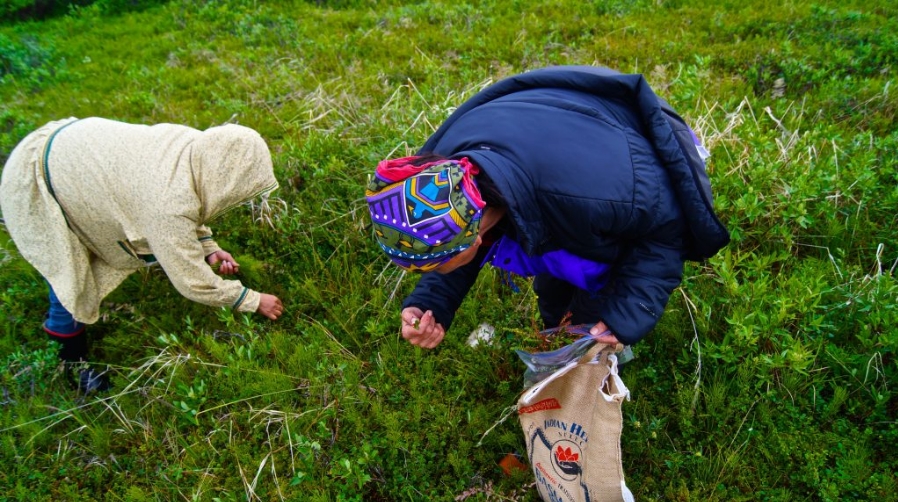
484,333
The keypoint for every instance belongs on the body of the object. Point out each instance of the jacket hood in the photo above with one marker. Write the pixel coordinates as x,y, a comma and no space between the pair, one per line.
231,164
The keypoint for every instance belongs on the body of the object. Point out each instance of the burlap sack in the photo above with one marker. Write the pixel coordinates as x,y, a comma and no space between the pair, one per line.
572,423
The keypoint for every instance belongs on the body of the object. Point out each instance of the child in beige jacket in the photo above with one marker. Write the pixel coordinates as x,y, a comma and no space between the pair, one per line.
88,201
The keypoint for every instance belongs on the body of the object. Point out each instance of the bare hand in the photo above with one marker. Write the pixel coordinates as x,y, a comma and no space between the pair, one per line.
602,334
228,265
421,328
270,306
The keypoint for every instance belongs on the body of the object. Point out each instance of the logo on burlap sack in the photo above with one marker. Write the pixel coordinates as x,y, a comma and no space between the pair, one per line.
556,453
566,459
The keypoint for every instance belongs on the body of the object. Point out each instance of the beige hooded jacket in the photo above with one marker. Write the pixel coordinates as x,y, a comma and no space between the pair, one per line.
89,201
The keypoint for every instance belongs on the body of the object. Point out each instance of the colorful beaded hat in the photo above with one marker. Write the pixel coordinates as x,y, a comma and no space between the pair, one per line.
424,214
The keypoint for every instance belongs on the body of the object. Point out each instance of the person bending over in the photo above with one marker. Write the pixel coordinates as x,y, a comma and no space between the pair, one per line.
579,176
88,201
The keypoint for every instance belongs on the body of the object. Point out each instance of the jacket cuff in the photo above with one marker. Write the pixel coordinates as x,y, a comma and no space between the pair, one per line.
248,301
209,246
626,336
440,315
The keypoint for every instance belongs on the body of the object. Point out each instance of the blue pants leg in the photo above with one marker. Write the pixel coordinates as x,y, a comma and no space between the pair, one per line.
60,322
65,330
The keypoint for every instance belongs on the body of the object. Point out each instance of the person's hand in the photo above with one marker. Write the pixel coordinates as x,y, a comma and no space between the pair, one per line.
270,306
421,328
602,334
228,265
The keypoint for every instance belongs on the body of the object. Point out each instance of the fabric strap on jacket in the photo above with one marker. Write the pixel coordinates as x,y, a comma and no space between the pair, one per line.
45,168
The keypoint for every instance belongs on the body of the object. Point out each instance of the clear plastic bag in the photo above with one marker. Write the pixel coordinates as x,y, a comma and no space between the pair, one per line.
542,364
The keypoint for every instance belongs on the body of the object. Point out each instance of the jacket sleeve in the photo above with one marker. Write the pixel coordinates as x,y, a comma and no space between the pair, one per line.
183,257
444,293
640,288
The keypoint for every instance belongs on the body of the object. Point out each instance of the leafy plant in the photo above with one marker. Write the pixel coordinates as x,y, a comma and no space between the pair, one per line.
27,373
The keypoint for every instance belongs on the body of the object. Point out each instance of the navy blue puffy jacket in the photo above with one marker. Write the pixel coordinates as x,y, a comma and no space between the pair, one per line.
591,161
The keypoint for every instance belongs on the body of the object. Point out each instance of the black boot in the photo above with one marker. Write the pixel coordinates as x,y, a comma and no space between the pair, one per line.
72,348
91,380
73,353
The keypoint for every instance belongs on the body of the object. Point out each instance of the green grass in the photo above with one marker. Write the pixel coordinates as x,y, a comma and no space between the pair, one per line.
770,377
